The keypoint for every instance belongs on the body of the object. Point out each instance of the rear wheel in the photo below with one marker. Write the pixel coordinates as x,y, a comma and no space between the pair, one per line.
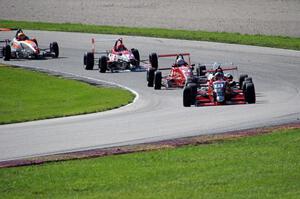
153,58
89,61
136,55
55,49
6,53
250,93
157,80
201,70
84,59
150,76
102,64
241,80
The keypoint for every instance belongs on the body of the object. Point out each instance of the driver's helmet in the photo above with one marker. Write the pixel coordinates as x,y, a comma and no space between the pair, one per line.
180,61
229,77
21,36
219,76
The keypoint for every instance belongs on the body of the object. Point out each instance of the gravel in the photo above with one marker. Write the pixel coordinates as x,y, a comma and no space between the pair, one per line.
270,17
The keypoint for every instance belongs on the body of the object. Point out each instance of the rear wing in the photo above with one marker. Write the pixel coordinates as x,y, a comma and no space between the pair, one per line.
224,68
99,41
174,55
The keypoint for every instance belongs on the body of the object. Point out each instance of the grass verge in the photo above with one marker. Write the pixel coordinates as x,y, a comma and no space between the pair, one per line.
265,166
28,95
234,38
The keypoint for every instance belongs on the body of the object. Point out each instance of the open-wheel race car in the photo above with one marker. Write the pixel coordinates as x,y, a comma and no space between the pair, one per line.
220,89
22,47
181,72
119,58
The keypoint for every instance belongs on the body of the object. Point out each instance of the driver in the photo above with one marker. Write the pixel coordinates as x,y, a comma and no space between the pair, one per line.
20,36
218,76
119,45
230,80
180,62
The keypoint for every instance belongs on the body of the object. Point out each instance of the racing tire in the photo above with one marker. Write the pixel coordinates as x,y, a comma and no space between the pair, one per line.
6,53
245,82
55,49
187,96
193,92
84,59
153,59
136,55
201,70
157,80
250,93
151,77
89,61
102,64
241,80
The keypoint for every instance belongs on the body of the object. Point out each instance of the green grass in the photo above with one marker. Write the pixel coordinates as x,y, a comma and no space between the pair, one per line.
266,166
234,38
28,95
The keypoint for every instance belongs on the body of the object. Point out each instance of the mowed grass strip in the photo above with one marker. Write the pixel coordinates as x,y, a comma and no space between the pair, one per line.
266,166
224,37
28,95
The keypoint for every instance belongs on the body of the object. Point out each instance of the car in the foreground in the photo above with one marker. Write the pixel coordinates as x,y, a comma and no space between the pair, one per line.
119,58
23,47
220,89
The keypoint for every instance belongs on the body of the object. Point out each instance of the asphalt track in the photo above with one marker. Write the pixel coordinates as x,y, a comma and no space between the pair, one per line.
156,115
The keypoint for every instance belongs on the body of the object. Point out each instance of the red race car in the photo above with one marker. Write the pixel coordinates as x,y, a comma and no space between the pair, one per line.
181,72
220,89
117,59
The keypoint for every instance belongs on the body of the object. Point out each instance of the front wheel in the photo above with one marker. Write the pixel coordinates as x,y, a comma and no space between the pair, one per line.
89,61
187,96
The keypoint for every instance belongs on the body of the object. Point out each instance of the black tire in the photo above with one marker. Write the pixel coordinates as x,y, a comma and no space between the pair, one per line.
153,58
241,80
246,81
250,93
102,64
84,59
187,96
201,70
157,80
136,55
55,49
193,92
6,53
151,77
89,61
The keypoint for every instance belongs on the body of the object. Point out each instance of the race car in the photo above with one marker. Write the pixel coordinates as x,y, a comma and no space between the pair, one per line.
22,47
119,58
220,89
181,72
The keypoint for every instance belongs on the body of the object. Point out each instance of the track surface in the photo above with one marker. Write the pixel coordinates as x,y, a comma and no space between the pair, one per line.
156,115
272,17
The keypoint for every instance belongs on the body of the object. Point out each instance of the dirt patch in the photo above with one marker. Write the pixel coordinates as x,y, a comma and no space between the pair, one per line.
271,17
196,140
